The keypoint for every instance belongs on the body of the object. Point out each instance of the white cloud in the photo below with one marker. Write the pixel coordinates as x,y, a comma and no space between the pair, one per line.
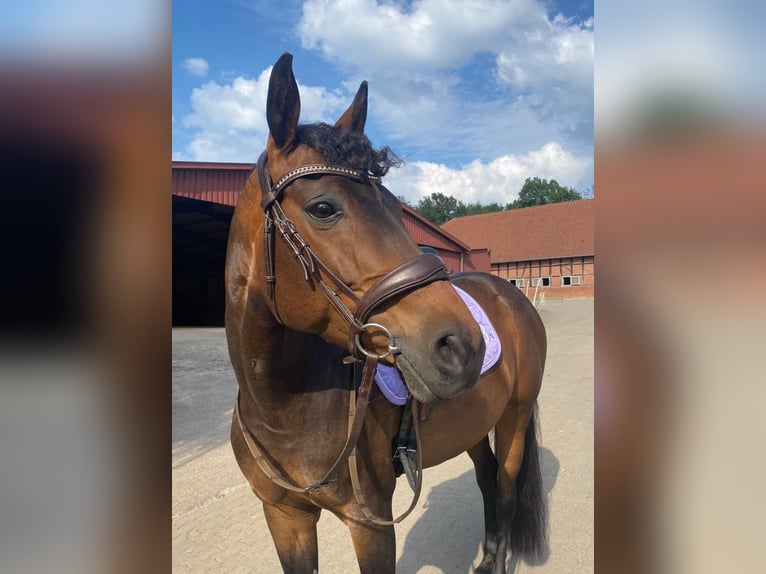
534,71
237,105
196,66
499,181
563,53
229,120
553,69
417,56
434,34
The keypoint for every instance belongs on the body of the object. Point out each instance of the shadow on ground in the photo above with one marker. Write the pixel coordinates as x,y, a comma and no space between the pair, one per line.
450,533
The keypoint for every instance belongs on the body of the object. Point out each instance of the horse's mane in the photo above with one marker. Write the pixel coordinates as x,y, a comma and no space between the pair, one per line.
347,149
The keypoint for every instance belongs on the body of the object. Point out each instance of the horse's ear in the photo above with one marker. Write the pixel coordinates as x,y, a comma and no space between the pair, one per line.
283,105
354,118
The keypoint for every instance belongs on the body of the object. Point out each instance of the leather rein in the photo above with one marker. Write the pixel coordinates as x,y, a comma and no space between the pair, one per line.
411,275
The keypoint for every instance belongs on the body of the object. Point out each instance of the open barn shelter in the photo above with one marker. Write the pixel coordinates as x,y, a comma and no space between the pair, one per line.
204,196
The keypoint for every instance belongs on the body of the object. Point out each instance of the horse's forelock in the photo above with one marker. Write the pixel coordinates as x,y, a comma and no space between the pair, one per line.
348,149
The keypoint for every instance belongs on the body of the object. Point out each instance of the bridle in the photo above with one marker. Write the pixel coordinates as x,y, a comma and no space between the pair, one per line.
411,275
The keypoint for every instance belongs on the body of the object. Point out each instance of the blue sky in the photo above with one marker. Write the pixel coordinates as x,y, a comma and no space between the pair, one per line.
475,95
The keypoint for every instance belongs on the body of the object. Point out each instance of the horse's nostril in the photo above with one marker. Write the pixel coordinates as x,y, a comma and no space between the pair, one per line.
451,352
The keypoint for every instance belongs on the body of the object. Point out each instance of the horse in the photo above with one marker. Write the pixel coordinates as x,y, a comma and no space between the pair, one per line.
325,287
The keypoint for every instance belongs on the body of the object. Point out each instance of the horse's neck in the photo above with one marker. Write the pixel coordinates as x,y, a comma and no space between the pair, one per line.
279,370
295,363
286,369
297,393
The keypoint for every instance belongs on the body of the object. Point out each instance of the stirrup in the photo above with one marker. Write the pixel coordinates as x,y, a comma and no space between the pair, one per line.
405,448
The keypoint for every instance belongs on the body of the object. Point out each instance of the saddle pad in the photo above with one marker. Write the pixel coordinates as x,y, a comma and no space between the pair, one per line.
389,379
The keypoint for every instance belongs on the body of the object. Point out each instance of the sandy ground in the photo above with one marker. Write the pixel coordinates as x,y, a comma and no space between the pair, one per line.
218,524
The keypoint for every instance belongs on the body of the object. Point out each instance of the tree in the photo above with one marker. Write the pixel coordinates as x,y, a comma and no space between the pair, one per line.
536,191
439,208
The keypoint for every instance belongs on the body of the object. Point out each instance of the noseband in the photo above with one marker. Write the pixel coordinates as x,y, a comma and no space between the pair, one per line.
411,275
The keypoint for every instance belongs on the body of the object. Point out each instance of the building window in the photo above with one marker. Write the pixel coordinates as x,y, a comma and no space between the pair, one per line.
518,282
567,280
541,282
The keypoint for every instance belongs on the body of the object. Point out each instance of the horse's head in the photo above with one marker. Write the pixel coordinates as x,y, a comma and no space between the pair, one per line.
346,269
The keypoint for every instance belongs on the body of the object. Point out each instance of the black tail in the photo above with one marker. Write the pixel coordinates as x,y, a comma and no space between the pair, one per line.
529,531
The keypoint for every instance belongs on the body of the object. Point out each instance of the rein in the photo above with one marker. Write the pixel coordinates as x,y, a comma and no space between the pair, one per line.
411,275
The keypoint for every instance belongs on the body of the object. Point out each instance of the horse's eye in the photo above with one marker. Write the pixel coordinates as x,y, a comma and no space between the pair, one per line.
322,210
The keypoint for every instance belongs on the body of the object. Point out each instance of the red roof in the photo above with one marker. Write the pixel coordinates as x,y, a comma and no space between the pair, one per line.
543,232
214,182
426,233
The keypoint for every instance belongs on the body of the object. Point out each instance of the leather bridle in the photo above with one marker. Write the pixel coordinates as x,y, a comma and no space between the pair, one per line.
411,275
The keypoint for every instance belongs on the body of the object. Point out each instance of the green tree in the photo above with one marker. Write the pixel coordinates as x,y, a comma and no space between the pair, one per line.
536,191
438,208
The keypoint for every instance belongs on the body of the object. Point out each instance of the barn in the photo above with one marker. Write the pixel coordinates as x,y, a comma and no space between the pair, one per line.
547,250
204,196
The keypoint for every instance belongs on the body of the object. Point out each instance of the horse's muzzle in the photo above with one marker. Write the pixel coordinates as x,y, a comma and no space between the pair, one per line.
452,364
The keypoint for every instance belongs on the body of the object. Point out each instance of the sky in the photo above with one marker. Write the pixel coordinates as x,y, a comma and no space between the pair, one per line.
475,95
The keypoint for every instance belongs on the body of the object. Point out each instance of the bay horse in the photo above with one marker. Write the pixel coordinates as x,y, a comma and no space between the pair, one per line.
323,287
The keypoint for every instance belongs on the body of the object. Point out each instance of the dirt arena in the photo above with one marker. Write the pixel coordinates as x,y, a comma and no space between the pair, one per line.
218,524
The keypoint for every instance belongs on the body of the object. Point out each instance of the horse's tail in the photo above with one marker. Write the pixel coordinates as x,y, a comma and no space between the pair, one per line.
529,532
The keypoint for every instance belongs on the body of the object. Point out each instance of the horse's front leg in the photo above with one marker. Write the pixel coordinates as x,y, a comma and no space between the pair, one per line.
374,544
295,536
375,547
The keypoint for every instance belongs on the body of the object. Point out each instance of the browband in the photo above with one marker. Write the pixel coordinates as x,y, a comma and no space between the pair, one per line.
271,192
